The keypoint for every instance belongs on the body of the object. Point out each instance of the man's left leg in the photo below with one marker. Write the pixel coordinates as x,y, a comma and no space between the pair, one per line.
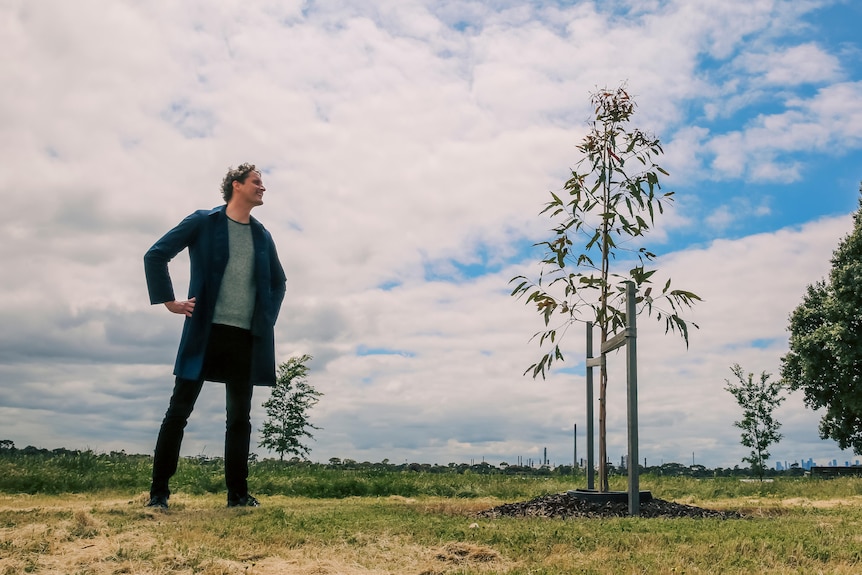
236,443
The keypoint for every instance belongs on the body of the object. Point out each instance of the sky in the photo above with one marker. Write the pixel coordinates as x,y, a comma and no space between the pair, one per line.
408,149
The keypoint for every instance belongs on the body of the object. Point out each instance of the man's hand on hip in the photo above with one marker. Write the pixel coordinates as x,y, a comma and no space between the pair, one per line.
181,307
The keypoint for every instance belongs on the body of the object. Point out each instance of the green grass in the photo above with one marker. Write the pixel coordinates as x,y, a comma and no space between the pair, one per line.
87,472
83,513
423,535
87,509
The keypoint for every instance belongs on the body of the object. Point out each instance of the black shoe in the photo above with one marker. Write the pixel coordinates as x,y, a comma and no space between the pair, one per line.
158,501
243,501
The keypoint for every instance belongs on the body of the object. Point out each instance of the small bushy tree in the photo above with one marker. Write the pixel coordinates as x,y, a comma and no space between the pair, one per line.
825,356
758,400
287,422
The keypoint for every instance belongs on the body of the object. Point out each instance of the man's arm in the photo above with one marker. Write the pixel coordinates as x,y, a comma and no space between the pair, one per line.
156,261
279,281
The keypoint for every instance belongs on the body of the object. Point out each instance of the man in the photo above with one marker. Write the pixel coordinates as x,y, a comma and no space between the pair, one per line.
236,288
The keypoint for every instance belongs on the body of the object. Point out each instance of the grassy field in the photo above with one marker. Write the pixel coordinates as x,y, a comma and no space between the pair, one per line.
88,517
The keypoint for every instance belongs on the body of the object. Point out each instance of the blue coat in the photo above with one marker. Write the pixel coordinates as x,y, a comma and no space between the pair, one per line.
205,235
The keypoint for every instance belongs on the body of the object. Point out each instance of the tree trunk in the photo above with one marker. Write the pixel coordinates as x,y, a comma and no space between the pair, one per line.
603,447
603,379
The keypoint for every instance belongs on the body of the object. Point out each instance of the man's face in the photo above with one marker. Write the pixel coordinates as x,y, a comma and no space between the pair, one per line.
250,191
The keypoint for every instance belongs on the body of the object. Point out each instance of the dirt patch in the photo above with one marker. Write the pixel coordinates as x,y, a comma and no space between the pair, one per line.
459,555
465,552
562,505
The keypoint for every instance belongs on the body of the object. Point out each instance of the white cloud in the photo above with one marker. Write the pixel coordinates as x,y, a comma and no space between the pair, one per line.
721,218
805,63
736,213
398,142
826,123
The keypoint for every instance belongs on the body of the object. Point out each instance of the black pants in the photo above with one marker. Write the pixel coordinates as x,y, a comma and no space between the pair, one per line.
228,360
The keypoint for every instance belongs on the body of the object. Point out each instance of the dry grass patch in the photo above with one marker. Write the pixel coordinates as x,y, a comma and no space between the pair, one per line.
766,507
111,536
456,507
460,553
853,501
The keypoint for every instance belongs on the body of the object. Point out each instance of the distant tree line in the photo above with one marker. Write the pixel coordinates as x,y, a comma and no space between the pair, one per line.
671,469
7,448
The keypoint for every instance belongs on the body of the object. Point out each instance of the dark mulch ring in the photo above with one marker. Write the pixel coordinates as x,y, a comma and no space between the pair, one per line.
562,505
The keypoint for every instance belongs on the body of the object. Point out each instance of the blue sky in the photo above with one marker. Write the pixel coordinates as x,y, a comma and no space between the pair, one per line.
407,150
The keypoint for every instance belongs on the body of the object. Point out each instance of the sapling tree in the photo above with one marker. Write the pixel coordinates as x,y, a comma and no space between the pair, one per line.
611,199
758,400
287,423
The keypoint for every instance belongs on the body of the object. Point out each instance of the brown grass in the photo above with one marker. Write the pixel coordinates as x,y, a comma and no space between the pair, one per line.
85,535
112,535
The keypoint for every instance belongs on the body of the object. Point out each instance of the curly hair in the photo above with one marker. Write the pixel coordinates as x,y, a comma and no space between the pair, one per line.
238,174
